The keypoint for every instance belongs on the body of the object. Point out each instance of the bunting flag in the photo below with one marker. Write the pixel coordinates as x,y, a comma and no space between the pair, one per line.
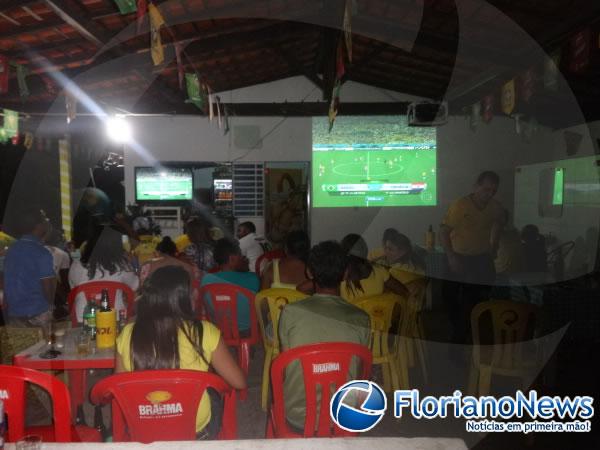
194,90
487,108
348,28
219,118
4,74
71,105
22,73
180,70
527,85
334,104
142,8
551,70
226,121
340,67
211,112
508,97
28,141
156,22
126,6
475,116
11,123
580,51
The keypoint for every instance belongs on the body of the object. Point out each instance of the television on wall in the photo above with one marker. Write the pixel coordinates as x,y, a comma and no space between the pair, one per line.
163,184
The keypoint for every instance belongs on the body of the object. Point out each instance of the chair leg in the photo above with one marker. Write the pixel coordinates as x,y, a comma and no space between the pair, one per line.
410,351
421,354
266,378
472,388
270,431
386,368
402,365
485,380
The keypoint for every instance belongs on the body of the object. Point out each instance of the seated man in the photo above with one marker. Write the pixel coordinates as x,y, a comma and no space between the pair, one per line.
233,268
29,277
324,317
250,244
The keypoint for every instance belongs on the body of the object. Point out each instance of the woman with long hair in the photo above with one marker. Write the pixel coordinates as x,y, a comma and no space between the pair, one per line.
290,271
167,335
103,259
363,278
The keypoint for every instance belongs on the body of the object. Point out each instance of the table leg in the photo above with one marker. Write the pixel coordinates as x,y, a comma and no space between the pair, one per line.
77,384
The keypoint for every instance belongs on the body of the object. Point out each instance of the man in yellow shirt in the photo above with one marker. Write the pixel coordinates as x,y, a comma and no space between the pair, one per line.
470,234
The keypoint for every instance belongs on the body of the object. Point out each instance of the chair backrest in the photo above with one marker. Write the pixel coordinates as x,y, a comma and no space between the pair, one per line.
93,289
266,257
220,301
12,392
502,327
381,310
161,405
325,367
269,304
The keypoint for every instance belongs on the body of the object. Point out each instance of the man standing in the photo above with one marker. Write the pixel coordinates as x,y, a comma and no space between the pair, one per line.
249,243
29,277
324,317
470,234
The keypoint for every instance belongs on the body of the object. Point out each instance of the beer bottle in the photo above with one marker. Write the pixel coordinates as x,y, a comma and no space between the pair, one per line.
106,323
89,318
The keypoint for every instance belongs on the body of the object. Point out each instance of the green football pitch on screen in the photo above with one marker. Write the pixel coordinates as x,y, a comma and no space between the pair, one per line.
373,162
169,187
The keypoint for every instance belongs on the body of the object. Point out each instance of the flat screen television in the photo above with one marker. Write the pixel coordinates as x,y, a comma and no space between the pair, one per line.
163,184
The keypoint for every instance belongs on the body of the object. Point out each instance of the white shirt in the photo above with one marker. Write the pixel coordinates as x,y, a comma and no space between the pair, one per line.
60,259
251,248
78,274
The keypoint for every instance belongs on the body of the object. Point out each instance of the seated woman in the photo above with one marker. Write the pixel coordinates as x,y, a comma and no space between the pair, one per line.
166,335
363,278
404,263
289,272
103,259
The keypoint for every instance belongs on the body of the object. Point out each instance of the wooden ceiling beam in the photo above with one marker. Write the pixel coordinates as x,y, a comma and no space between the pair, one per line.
76,17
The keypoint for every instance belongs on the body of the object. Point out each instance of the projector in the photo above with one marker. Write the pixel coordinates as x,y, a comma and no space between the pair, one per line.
427,114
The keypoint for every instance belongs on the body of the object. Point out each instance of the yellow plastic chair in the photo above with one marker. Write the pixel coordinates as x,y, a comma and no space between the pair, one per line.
414,331
269,304
503,333
384,347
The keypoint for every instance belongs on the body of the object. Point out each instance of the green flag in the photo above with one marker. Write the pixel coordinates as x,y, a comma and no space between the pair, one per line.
126,6
22,73
11,123
194,91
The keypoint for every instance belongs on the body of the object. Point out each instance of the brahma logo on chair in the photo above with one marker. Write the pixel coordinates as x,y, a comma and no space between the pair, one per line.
371,411
4,395
326,367
159,408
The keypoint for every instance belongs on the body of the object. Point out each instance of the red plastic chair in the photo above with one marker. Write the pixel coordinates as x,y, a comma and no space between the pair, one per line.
12,385
222,310
337,355
266,257
93,289
179,391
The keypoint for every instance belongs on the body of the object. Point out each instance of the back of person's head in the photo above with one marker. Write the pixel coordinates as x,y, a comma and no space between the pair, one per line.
387,233
30,220
197,229
327,264
224,249
530,233
297,244
402,245
488,175
166,246
358,266
249,226
104,252
162,311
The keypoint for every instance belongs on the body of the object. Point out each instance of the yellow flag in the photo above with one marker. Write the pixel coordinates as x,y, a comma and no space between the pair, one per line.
156,22
508,97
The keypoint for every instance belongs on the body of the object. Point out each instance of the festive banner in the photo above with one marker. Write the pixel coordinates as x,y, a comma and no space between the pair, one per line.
226,120
156,22
348,28
142,9
552,71
527,85
340,67
4,73
580,51
126,6
508,97
219,119
334,105
28,141
211,112
475,116
487,108
71,105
